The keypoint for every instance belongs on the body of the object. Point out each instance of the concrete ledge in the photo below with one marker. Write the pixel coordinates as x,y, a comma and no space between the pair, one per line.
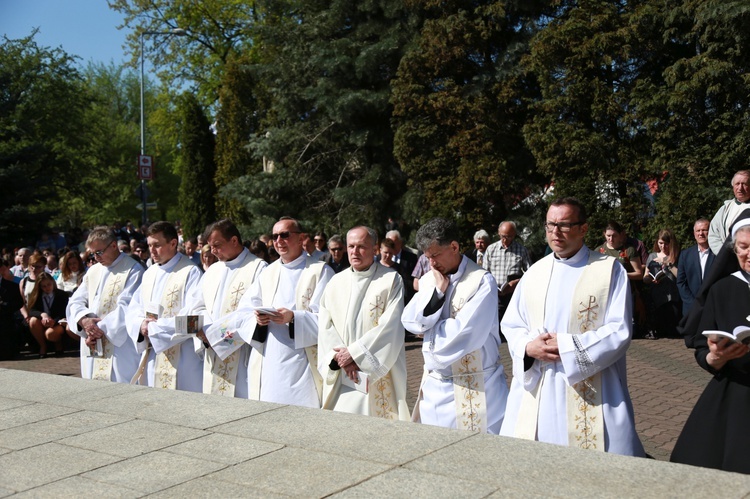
71,437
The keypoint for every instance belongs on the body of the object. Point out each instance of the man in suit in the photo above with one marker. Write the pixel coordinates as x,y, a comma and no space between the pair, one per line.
481,241
405,262
693,265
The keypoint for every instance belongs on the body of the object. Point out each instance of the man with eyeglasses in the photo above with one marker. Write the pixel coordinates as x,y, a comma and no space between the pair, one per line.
729,211
507,260
278,317
167,360
97,310
568,328
223,285
336,257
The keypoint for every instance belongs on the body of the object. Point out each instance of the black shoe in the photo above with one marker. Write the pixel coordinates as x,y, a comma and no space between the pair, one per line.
651,335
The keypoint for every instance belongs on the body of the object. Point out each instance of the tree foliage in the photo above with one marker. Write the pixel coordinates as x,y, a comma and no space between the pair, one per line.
196,166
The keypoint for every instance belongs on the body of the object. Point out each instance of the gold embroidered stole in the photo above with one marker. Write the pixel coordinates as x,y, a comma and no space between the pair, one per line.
220,376
269,284
382,400
172,297
112,289
588,309
468,373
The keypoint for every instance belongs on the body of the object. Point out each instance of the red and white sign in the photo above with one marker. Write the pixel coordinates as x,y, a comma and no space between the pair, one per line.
145,167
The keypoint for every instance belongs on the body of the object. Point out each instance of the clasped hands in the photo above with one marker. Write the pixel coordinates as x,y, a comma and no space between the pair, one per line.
544,347
91,328
344,359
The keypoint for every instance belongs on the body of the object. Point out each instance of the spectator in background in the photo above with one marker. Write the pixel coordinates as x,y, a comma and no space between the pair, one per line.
191,245
422,267
141,253
695,263
26,286
11,302
124,247
21,269
387,251
337,257
71,272
52,267
89,259
259,249
320,241
662,295
45,243
481,241
46,310
207,258
308,244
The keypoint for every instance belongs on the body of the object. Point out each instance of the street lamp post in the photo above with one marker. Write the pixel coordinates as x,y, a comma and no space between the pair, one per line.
144,194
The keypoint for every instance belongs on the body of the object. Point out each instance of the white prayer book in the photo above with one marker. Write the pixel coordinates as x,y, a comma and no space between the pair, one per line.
267,311
188,324
363,385
740,334
153,310
224,339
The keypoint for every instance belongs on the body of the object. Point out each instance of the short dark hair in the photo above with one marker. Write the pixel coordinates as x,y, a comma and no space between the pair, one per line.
574,202
615,226
163,227
438,230
226,228
297,225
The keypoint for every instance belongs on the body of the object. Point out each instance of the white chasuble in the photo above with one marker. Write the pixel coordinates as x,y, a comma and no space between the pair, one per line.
361,311
463,385
586,301
283,360
225,370
167,360
113,285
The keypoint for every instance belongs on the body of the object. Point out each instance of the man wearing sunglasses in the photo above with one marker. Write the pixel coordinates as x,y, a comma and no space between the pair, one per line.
278,317
222,288
97,310
568,327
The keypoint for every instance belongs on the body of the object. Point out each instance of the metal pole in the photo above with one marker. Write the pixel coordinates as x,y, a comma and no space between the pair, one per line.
144,197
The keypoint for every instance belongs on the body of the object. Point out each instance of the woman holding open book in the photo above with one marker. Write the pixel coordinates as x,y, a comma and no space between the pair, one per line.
660,278
715,434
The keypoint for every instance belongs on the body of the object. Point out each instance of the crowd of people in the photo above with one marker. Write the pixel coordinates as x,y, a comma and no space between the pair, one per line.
295,317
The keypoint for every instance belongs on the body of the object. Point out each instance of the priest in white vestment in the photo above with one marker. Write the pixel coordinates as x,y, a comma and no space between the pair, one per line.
278,317
729,211
96,311
361,353
222,287
455,310
168,360
568,328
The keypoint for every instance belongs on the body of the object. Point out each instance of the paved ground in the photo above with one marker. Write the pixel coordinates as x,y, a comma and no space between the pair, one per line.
664,381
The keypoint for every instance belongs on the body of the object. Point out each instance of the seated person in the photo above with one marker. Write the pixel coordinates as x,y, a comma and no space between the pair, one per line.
47,306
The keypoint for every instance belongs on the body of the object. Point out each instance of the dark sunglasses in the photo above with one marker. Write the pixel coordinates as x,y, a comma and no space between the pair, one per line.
283,235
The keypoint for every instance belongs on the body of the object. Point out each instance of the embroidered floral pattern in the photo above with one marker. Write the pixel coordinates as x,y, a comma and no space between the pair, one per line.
585,435
383,399
377,309
468,392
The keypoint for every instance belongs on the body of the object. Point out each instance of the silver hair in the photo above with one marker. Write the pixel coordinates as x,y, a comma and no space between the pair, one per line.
101,233
370,233
391,233
481,234
336,239
509,222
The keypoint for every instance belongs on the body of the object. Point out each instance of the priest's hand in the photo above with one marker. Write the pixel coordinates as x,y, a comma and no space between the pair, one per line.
351,370
285,316
441,281
262,319
342,357
144,326
721,352
544,347
91,327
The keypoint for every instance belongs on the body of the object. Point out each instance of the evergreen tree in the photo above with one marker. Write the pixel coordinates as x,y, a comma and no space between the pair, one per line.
197,167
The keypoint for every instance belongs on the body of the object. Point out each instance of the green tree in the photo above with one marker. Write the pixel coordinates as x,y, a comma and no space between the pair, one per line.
327,129
43,132
196,166
460,100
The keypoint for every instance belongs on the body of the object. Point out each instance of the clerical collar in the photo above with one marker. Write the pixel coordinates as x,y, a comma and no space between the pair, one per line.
237,261
454,277
117,260
167,267
296,262
367,272
582,254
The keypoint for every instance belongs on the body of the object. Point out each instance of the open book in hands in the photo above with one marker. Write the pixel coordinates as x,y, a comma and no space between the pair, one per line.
740,334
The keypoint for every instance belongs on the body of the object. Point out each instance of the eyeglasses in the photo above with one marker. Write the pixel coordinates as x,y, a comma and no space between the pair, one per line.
561,226
283,235
336,249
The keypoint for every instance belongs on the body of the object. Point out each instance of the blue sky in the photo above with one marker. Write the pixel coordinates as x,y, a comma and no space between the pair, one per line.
85,28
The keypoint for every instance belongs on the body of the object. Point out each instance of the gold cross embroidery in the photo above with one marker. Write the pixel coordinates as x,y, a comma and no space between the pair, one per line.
377,309
236,293
111,297
588,314
455,309
172,300
306,299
